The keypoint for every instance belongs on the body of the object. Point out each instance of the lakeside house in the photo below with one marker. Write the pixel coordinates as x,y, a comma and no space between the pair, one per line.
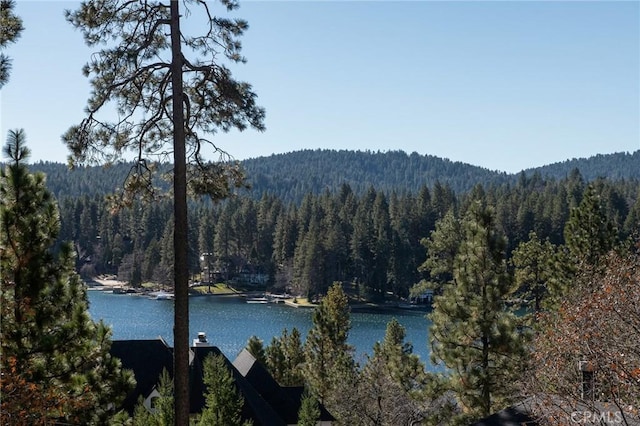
552,409
265,401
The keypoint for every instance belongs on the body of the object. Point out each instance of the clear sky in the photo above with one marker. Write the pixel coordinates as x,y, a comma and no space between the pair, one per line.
505,85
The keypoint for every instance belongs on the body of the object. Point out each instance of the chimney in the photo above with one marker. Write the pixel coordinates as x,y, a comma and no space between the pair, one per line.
587,384
201,340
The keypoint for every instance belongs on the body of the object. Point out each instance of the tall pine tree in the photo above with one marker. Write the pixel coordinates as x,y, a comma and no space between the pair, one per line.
285,357
329,368
393,382
55,359
474,331
589,233
172,91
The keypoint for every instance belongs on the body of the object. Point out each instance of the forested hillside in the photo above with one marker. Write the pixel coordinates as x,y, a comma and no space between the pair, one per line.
291,176
616,166
373,239
315,217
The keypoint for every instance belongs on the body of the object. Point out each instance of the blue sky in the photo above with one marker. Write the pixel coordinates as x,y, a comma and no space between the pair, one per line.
505,85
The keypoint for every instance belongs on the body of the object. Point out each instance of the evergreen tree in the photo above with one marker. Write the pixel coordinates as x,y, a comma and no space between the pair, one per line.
309,268
535,270
632,221
170,89
403,256
285,358
285,236
363,248
55,359
205,243
589,233
381,246
255,346
335,244
393,382
268,211
442,247
474,332
223,406
222,247
329,369
443,199
161,412
404,367
309,413
11,28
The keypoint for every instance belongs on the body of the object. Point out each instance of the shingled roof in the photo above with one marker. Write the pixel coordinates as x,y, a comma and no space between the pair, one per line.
285,400
254,408
147,359
265,402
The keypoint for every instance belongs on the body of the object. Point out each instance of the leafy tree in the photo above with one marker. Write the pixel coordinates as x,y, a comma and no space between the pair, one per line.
597,329
167,100
223,406
55,359
329,369
474,332
11,28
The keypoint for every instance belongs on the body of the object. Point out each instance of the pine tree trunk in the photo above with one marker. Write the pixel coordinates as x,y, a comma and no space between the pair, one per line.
181,284
486,385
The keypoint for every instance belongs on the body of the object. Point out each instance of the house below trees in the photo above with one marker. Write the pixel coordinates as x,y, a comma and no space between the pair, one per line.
265,401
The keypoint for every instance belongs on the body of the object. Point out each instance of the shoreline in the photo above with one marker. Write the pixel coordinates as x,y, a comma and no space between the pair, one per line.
98,283
106,284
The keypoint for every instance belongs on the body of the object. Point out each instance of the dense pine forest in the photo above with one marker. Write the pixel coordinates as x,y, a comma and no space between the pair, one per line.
315,217
292,176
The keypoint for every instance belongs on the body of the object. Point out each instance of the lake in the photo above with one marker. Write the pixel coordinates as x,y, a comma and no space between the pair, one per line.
229,322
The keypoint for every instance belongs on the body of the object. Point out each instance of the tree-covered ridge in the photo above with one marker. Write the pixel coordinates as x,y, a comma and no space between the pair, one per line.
620,165
317,170
291,176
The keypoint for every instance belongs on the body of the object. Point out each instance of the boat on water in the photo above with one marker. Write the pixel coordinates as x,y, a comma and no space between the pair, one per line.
262,299
164,296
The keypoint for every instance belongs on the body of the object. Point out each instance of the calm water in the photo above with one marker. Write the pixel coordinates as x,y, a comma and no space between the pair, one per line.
229,322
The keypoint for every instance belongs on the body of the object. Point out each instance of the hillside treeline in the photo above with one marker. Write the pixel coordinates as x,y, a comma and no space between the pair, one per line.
374,239
290,177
